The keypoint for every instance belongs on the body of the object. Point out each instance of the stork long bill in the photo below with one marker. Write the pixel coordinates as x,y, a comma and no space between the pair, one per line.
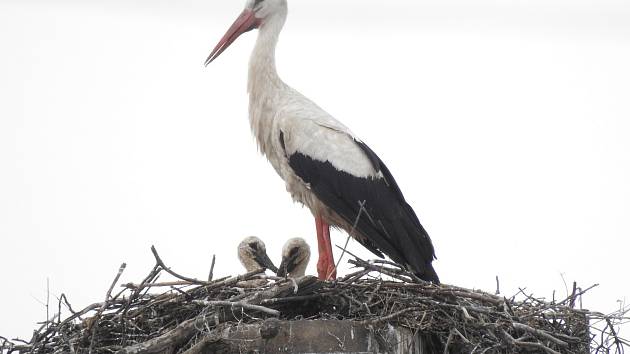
263,259
287,265
245,22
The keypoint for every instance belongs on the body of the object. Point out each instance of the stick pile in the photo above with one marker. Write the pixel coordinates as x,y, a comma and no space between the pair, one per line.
139,319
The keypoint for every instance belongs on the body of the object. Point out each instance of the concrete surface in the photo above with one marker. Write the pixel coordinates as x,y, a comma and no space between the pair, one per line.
312,337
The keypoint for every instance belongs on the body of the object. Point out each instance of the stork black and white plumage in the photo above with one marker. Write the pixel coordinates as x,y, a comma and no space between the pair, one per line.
325,166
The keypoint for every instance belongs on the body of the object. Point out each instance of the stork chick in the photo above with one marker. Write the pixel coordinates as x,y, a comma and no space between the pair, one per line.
253,255
295,256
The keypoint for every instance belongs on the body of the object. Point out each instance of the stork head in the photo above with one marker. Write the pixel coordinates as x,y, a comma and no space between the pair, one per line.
295,256
253,254
256,14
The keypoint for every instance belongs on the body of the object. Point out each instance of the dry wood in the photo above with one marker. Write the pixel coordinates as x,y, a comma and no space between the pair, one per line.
211,274
165,342
239,304
171,272
183,315
94,323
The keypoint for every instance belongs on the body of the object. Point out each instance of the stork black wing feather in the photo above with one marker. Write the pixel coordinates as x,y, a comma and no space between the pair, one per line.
387,223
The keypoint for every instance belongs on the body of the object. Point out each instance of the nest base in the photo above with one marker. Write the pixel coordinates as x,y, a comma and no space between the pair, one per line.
310,336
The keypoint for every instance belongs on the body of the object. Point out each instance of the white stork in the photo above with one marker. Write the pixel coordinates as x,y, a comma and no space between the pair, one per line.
253,255
295,256
325,166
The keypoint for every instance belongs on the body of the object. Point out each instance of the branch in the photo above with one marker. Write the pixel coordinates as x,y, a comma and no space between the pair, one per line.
240,304
354,226
169,271
520,343
170,339
94,323
540,333
211,274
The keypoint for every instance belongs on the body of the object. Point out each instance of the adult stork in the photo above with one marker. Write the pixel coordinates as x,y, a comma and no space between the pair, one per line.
325,166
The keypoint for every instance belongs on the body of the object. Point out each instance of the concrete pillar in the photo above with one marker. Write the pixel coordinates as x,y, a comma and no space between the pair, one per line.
312,337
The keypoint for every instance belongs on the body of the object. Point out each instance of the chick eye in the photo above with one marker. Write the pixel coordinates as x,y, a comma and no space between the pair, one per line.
293,251
253,246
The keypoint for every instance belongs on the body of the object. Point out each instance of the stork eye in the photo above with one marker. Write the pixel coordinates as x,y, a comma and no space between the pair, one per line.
254,246
293,251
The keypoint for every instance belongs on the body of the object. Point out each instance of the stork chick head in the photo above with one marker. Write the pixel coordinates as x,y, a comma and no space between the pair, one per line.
253,255
295,256
256,14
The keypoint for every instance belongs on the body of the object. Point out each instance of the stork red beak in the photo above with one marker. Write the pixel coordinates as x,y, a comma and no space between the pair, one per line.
245,22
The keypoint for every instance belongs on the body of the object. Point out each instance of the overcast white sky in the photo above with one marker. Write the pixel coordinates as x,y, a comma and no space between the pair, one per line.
506,123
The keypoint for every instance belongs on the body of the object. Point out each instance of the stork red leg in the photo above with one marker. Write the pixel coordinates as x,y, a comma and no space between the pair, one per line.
326,263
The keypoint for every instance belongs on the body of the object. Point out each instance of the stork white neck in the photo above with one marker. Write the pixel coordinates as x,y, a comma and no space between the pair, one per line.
263,76
264,84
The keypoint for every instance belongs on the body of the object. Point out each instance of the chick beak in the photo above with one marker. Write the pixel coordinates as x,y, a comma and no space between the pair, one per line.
287,265
263,259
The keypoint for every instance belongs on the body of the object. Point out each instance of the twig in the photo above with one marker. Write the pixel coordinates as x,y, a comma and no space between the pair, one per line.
211,274
354,226
105,303
380,269
47,300
540,333
65,300
171,272
239,304
282,300
391,316
152,276
579,293
6,345
616,341
179,334
157,285
199,347
448,342
573,295
520,343
219,283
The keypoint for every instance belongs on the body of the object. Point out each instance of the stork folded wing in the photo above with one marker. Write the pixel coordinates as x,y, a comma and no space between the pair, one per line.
384,221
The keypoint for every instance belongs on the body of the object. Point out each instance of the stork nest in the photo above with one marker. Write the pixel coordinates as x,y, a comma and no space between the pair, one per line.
139,319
